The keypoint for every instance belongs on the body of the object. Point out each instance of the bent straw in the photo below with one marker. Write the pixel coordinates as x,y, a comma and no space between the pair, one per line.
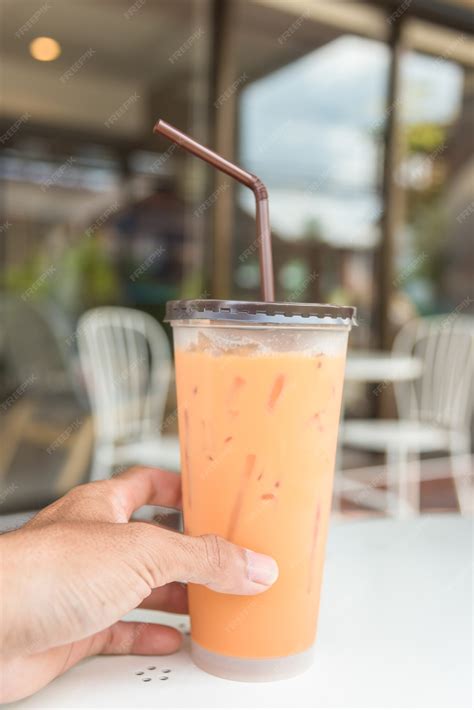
264,237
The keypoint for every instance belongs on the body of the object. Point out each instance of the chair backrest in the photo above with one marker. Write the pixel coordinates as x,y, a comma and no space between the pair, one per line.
443,393
125,356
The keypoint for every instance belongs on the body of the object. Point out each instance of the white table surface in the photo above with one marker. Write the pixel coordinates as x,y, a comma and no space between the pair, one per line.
395,631
373,366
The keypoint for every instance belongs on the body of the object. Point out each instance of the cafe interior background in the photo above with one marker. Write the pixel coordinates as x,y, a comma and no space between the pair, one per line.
358,116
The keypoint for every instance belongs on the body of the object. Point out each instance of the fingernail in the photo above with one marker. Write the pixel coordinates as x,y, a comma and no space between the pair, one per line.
261,568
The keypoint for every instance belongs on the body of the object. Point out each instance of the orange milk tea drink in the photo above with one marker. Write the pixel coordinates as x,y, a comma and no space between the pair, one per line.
259,396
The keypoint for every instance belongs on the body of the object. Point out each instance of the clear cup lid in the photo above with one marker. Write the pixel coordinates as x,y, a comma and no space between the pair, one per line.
260,312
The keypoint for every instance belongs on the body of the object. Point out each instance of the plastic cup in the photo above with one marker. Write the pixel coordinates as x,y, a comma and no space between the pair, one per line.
259,390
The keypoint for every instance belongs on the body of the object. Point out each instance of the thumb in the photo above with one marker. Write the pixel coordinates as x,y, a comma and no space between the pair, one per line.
209,560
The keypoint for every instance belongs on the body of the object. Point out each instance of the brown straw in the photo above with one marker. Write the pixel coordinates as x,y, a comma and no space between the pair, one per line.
264,237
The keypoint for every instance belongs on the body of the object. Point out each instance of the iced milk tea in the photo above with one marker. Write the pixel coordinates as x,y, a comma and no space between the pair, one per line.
258,420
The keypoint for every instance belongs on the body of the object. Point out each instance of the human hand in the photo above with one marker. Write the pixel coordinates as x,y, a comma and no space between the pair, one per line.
79,565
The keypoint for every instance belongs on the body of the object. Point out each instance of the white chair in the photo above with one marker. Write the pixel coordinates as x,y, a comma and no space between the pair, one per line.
435,410
126,362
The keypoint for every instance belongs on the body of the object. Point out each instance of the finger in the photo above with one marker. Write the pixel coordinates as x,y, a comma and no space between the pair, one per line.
37,670
128,637
114,500
209,560
144,639
146,486
171,597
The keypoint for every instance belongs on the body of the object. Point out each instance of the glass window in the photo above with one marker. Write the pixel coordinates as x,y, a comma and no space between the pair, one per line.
311,128
435,259
96,210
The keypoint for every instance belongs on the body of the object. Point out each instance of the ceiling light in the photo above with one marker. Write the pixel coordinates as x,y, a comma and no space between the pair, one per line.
45,49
